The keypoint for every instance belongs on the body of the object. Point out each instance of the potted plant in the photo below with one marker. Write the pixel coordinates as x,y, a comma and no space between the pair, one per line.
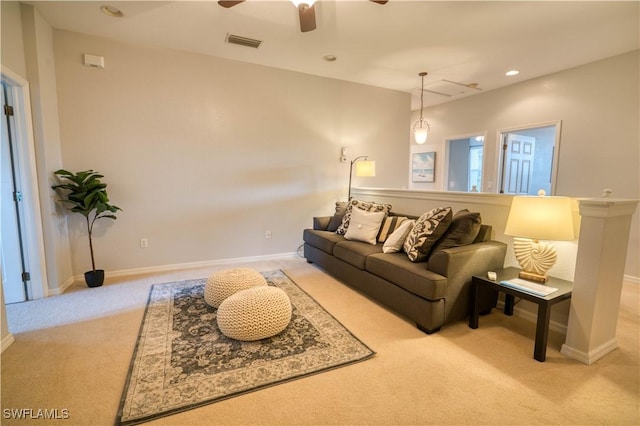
87,195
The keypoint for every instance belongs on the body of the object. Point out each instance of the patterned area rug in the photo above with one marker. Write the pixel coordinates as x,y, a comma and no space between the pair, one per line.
182,361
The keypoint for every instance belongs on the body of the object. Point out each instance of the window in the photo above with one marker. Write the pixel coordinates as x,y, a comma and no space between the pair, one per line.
465,163
528,159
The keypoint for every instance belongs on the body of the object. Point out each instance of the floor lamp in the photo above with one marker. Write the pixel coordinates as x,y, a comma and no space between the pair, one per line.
365,167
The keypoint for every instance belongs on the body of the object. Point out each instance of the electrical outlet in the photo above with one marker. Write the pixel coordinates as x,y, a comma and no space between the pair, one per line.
144,243
267,234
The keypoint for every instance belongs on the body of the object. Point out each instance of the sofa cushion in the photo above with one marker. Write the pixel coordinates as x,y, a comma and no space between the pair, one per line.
463,230
336,219
413,277
355,253
427,230
367,206
364,226
390,224
394,243
322,240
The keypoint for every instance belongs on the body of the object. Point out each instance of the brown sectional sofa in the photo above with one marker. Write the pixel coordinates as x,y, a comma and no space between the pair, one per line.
431,293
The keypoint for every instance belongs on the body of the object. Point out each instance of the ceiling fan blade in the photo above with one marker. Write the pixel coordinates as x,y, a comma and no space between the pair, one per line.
380,1
307,17
229,3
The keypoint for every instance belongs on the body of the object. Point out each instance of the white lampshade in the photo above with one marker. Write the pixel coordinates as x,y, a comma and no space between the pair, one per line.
420,135
366,168
541,218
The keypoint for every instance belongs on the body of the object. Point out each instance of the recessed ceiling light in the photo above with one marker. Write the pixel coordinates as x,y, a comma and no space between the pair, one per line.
111,11
330,58
512,73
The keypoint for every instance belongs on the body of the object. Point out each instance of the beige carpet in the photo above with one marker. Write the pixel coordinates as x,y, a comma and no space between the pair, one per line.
72,353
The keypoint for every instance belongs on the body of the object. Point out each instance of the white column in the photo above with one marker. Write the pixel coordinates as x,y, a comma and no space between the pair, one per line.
602,250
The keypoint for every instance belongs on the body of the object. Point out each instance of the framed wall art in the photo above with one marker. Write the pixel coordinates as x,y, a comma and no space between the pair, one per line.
423,167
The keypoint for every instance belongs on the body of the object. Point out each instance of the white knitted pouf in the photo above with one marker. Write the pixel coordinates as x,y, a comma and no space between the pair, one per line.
227,282
254,314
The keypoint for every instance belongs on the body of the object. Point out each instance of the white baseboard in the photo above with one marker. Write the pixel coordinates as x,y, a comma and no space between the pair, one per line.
177,267
533,317
591,356
7,341
63,287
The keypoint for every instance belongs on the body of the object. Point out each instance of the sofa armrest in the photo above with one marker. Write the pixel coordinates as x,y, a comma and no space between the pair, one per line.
472,259
321,223
459,264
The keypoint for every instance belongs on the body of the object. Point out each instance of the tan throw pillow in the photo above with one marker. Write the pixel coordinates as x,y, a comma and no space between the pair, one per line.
427,230
394,243
364,226
390,224
367,206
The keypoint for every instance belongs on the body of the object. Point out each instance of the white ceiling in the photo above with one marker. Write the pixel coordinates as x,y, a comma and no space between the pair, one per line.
385,46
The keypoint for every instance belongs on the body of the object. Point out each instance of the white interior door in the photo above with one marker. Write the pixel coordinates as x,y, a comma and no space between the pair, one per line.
36,281
518,163
13,251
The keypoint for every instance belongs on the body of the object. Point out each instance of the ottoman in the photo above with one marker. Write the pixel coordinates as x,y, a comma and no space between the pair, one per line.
255,313
227,282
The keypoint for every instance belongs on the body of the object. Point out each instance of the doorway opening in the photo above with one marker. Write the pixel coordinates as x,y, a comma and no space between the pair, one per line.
465,163
529,160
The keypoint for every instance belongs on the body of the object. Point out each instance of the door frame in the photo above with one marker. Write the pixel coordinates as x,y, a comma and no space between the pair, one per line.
556,151
37,287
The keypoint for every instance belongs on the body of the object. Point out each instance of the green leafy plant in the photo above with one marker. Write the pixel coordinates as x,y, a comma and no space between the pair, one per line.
86,194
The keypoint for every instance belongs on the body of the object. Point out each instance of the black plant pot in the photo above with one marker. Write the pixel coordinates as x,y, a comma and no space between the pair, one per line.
94,278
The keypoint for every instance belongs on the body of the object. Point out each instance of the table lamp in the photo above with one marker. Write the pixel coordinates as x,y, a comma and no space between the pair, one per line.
534,218
365,167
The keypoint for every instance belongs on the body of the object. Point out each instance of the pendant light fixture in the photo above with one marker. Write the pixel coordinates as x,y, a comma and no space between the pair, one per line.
421,126
297,3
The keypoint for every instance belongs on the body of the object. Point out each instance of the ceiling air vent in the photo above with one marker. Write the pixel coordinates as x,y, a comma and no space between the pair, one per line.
243,41
449,88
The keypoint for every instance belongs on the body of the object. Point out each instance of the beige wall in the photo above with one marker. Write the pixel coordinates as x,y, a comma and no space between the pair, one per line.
204,154
598,105
12,53
38,46
6,338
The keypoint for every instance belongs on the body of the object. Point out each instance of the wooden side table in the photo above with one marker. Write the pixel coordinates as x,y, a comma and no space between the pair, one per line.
544,303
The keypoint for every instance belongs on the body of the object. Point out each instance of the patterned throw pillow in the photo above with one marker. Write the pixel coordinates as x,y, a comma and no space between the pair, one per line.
427,230
367,206
389,225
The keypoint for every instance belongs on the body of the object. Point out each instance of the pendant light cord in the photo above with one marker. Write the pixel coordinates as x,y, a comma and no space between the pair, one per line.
421,97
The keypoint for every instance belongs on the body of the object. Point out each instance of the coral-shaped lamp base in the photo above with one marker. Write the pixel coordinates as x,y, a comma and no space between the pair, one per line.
535,258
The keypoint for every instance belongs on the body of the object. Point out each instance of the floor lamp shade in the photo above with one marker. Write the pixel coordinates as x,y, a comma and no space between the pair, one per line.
366,168
538,218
